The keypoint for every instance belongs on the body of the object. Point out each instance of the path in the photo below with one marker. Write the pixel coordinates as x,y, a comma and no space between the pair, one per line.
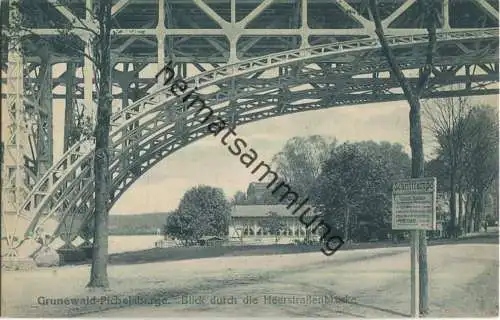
463,282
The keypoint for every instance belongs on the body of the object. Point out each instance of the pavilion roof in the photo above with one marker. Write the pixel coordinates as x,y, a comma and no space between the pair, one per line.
263,210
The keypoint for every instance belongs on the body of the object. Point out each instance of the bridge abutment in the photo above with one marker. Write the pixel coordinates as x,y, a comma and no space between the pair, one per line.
72,255
18,263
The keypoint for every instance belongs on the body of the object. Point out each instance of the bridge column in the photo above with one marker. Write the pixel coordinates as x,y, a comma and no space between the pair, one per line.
14,178
44,144
304,28
80,248
232,36
446,15
161,32
124,80
69,107
88,72
69,253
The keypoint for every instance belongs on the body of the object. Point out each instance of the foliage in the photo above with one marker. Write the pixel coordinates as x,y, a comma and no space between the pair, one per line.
273,224
299,163
437,168
356,180
481,151
203,210
448,119
467,154
481,161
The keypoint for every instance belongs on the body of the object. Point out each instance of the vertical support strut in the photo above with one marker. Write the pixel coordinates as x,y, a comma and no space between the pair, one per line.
160,36
69,108
44,146
446,15
14,188
124,84
233,38
304,26
88,75
88,72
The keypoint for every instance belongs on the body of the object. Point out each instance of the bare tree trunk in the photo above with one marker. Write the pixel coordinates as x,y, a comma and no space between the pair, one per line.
466,212
346,224
453,206
417,171
412,95
479,212
472,212
461,213
98,273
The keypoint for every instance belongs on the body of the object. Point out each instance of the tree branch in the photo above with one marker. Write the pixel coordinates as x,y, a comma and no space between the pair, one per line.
430,18
387,51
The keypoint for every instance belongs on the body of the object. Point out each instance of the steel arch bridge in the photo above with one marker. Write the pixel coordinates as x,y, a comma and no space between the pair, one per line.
59,200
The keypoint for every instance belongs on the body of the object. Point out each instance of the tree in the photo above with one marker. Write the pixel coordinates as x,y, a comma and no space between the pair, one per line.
467,154
239,198
481,160
203,210
392,154
437,168
413,94
448,120
97,28
299,163
181,227
273,225
102,63
355,186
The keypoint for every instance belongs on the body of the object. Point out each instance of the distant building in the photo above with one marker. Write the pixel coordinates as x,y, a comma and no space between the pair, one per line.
257,188
259,193
248,224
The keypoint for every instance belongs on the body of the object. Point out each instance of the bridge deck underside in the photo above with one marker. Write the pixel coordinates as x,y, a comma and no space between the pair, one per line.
207,31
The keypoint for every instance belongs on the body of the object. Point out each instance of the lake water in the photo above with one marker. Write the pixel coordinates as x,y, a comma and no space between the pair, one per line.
119,244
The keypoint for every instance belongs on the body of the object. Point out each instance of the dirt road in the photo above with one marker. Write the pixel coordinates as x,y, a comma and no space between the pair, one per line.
361,283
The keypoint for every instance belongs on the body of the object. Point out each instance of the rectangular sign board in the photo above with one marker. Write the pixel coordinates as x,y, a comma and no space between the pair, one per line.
414,204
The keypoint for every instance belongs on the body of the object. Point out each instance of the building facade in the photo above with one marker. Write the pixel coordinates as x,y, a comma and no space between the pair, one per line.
250,225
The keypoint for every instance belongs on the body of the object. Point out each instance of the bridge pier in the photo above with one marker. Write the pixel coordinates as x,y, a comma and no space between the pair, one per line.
18,263
19,259
73,254
31,254
19,256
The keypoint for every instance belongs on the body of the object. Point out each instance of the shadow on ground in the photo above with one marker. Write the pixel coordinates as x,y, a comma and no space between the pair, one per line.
184,253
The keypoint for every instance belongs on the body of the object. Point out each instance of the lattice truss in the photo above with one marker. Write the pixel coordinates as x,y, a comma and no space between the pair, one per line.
249,59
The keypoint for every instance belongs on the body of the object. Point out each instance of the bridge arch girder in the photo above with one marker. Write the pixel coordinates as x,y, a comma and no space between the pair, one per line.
166,141
151,121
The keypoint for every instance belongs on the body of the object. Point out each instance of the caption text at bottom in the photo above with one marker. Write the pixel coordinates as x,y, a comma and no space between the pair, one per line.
196,300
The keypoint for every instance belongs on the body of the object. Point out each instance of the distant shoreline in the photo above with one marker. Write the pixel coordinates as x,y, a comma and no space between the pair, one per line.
124,233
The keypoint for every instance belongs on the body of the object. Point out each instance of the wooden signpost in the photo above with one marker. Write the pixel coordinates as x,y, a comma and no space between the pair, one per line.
414,208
